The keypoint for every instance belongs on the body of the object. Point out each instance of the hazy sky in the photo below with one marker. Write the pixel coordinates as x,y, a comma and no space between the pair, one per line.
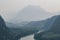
9,8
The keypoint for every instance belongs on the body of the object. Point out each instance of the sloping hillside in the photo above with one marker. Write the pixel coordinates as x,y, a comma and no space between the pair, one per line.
3,30
53,33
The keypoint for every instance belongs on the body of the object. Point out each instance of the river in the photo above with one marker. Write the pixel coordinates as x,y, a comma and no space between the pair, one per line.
30,37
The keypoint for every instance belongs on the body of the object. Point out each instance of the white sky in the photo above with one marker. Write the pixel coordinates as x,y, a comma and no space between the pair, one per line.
9,8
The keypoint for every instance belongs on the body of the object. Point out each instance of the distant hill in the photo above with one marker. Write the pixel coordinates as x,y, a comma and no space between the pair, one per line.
31,13
16,25
12,25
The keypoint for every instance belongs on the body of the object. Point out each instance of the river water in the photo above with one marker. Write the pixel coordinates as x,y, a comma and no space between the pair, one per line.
30,37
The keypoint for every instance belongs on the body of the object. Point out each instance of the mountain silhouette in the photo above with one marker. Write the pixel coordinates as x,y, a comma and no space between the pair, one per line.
31,13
